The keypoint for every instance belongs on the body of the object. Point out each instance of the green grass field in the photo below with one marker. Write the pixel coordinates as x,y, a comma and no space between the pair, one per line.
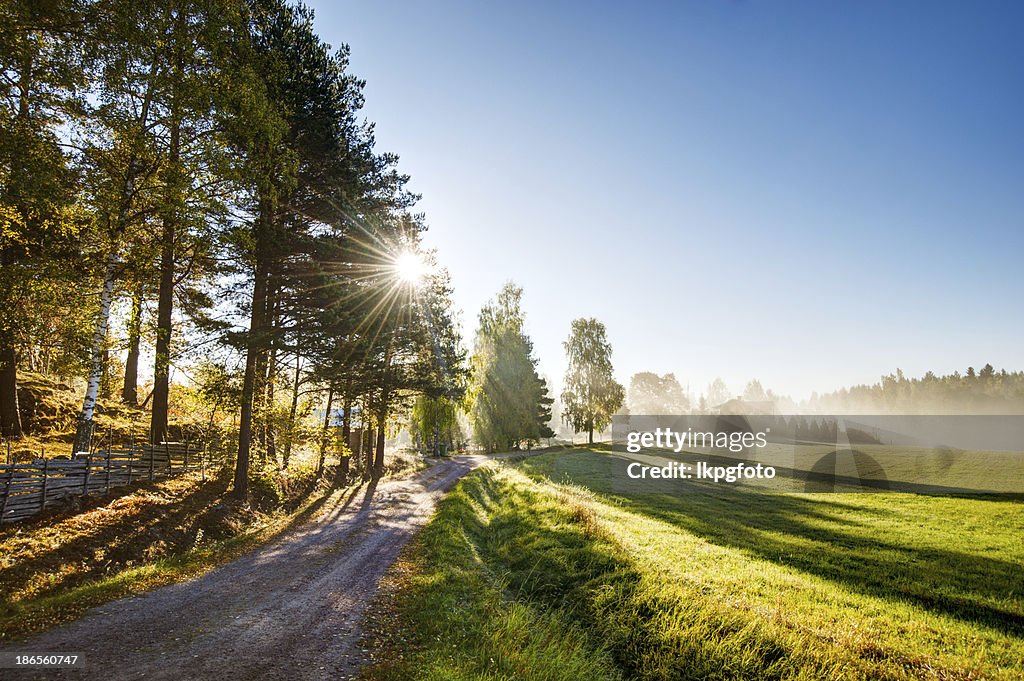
539,570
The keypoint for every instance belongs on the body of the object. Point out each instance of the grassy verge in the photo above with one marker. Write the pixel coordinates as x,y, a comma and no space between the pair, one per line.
539,571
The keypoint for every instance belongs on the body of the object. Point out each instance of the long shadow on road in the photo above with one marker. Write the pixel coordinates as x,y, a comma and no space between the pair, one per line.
291,609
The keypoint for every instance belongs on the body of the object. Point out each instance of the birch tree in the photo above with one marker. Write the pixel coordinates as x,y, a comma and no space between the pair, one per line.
591,393
119,152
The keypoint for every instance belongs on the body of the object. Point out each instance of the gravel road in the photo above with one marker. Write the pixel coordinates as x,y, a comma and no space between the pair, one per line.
289,610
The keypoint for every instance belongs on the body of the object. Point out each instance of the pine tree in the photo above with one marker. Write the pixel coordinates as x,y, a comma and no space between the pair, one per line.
42,65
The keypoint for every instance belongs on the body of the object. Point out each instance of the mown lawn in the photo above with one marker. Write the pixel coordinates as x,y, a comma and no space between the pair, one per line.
538,570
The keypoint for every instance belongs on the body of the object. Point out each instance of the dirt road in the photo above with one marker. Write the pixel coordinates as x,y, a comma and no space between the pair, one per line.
290,610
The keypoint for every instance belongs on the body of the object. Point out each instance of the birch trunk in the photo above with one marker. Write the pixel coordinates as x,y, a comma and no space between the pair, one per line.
83,434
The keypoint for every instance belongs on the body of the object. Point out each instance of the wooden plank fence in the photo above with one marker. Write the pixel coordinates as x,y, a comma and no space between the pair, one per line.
28,488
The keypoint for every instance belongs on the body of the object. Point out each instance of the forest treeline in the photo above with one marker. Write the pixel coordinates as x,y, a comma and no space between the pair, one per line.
192,185
198,176
984,391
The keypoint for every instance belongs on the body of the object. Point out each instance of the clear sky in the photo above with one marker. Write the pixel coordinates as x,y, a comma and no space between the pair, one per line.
809,193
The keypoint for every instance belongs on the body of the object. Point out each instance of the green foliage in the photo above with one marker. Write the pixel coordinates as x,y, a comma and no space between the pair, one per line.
652,394
509,403
39,223
435,420
219,386
264,487
591,393
212,158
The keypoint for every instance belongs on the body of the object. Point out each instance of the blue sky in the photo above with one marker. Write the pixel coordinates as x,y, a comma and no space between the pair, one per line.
811,194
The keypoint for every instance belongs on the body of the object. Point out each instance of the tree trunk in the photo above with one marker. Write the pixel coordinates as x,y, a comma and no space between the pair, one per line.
165,298
287,453
10,418
343,466
130,390
357,454
169,217
259,399
324,433
590,432
241,481
83,434
367,445
269,436
382,413
346,434
104,392
346,424
378,463
255,344
164,310
261,407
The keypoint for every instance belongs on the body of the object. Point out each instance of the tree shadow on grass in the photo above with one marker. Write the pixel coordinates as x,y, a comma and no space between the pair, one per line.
799,532
548,556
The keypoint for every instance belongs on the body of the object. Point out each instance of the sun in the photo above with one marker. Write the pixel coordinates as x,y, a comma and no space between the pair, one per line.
411,268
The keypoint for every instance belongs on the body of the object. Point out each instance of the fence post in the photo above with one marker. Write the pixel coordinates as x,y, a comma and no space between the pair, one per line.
152,460
131,461
88,469
106,483
202,460
46,470
7,491
186,456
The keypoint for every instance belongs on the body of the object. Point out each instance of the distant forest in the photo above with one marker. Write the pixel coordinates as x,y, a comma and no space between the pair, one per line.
988,391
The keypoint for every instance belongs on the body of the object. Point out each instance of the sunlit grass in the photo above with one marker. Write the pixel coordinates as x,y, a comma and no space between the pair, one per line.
727,585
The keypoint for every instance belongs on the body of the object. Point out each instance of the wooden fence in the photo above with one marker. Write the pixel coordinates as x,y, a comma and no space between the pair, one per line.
28,488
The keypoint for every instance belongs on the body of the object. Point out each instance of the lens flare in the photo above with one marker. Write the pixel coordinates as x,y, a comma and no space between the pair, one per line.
411,268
